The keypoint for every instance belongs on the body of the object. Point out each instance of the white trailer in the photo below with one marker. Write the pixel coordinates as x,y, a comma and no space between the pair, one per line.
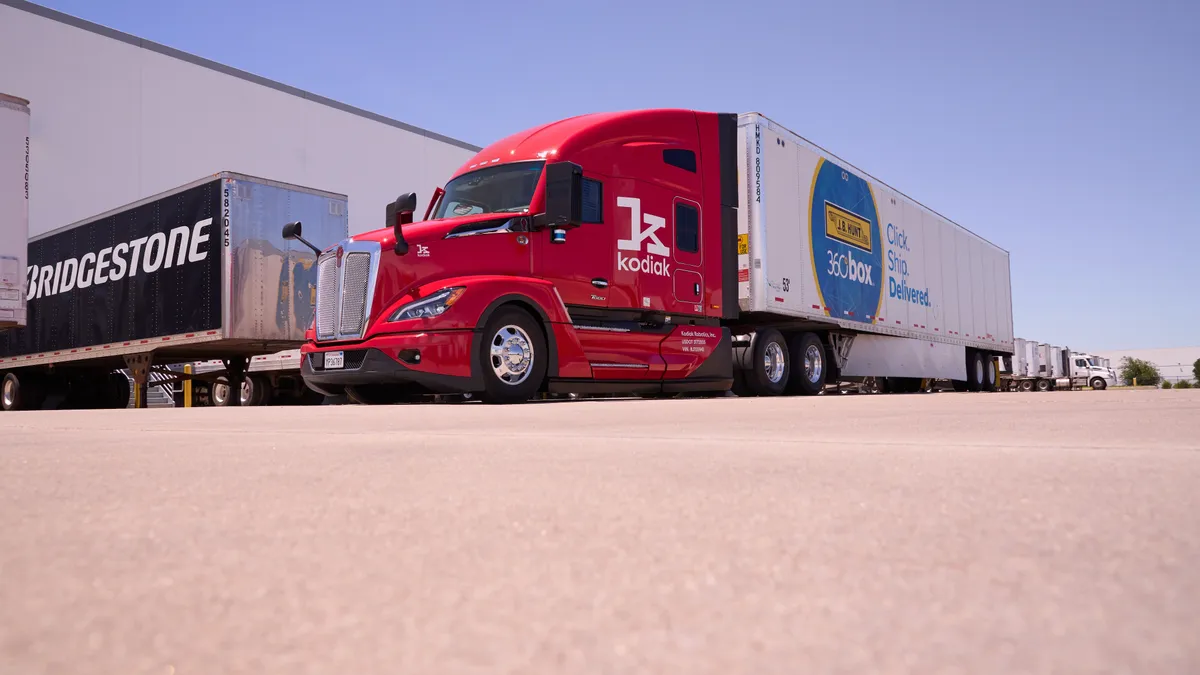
915,295
1044,367
14,208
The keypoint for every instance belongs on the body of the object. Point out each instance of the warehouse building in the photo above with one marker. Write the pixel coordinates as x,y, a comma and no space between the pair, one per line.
115,119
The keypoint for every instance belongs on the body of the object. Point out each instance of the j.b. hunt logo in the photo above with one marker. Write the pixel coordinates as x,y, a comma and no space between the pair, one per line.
652,264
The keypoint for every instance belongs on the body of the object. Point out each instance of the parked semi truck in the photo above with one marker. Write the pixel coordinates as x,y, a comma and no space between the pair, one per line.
1044,367
195,273
14,208
650,252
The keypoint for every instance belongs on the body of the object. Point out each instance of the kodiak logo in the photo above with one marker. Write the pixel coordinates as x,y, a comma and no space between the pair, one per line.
656,261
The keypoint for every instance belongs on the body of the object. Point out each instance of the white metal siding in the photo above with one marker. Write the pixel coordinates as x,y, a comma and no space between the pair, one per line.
114,122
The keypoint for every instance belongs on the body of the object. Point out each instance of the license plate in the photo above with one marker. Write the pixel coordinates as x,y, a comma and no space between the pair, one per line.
334,360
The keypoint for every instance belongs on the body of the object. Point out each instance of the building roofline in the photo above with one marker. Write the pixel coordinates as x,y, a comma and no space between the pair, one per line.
150,45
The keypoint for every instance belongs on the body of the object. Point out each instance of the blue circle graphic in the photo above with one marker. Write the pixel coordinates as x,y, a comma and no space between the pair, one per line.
848,265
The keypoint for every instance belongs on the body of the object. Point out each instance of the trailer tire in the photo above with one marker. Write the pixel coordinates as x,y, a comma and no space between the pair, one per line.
989,373
975,367
513,333
765,365
116,391
12,396
813,359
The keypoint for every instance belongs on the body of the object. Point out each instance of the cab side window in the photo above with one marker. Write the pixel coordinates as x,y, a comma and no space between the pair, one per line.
687,228
593,201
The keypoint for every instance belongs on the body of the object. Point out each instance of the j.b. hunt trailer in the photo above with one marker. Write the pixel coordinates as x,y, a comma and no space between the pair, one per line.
656,251
195,273
821,241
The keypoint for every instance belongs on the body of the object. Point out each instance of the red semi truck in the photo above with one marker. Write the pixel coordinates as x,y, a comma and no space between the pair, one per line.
651,252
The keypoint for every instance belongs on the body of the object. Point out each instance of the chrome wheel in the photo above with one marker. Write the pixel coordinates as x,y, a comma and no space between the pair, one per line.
773,362
979,370
10,393
813,363
512,355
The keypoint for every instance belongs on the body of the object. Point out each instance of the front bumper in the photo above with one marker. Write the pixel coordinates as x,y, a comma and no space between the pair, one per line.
440,363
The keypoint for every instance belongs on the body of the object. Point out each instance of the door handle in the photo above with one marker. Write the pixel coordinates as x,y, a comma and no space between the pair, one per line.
696,289
600,283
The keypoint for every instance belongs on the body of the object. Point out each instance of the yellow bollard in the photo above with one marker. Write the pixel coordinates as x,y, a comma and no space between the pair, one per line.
187,387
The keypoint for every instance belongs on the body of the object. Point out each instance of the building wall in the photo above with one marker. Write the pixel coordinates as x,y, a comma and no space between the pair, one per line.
115,119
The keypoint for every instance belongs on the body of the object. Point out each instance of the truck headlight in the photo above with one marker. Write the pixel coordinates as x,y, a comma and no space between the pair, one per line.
425,308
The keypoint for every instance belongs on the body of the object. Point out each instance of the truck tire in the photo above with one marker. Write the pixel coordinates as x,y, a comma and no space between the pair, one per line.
1025,385
1043,385
256,390
12,397
989,373
116,391
765,365
512,357
1099,384
975,367
812,359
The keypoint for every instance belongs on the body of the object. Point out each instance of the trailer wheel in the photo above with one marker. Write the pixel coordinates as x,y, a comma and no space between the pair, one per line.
116,391
11,396
974,370
989,373
813,366
512,357
1099,384
765,365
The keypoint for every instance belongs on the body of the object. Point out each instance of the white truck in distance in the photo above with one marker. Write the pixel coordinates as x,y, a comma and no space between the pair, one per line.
1044,367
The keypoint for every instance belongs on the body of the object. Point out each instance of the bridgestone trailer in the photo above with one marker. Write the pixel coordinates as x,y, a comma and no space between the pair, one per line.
195,273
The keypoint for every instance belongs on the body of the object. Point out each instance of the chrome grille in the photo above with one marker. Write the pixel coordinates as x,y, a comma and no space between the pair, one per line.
356,274
344,290
327,296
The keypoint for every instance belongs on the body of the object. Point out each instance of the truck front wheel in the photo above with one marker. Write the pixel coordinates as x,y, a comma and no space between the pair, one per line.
512,357
1099,384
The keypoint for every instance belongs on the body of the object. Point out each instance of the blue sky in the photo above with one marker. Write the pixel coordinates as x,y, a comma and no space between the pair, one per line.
1065,132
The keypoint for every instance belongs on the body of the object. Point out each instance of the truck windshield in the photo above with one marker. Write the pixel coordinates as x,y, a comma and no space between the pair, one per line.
507,188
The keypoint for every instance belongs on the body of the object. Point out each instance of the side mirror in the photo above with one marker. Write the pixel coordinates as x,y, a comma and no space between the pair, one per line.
292,231
564,195
400,213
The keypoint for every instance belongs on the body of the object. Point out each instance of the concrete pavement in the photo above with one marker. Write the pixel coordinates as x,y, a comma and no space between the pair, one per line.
943,533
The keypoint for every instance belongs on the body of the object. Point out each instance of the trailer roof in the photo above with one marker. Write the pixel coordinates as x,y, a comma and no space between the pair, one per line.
150,45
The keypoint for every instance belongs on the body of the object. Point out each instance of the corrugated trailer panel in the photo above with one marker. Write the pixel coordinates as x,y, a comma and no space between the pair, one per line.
14,208
824,241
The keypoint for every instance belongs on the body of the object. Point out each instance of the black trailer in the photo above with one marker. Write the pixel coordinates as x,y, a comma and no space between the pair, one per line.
195,273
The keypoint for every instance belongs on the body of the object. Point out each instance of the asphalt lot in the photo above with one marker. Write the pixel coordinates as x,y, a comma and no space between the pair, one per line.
942,533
